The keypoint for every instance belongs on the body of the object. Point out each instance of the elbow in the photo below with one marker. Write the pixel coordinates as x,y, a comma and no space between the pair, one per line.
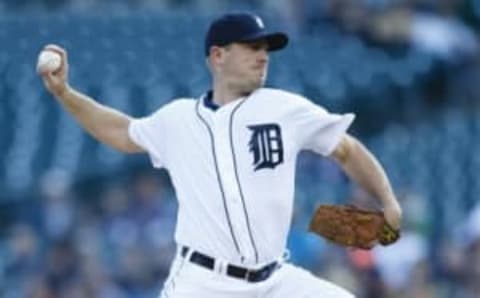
125,142
346,148
131,149
121,141
128,146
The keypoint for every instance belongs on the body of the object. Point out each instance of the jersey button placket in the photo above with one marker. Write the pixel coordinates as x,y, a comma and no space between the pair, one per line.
227,173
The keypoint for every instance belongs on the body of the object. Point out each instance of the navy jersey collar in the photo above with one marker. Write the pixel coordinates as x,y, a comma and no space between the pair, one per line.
208,101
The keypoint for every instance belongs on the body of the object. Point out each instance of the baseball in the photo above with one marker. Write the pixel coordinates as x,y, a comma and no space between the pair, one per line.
48,61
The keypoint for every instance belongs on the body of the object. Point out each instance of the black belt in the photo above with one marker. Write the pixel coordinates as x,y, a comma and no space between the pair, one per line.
234,271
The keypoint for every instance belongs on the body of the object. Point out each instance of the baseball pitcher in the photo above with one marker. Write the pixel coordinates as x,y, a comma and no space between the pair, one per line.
231,156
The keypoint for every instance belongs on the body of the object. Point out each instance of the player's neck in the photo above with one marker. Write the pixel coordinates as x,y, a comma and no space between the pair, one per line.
224,95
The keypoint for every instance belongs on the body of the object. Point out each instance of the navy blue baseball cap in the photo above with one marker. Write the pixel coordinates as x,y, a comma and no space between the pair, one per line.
242,27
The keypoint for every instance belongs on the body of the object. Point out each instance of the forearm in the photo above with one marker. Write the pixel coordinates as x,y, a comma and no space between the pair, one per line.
363,168
107,125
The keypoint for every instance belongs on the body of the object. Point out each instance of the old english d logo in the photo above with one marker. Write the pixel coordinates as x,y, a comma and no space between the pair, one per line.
266,145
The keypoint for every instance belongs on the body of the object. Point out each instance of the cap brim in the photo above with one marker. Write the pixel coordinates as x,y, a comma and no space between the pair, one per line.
276,40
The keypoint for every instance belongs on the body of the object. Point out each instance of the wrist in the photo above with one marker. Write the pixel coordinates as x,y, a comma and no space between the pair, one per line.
62,92
393,205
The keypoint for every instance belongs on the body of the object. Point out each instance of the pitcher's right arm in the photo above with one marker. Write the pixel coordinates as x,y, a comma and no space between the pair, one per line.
106,124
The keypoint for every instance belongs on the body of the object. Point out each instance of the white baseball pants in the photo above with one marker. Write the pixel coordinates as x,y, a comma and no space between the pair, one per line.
189,280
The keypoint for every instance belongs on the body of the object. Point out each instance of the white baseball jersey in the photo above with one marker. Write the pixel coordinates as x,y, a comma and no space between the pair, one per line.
233,167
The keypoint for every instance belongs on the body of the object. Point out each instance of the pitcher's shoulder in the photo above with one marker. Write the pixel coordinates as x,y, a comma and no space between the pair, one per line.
184,102
282,96
178,104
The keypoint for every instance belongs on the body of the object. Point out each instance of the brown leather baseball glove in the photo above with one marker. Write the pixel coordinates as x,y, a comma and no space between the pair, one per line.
348,225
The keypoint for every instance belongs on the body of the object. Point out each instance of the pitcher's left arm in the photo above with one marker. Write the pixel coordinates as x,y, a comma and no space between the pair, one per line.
362,166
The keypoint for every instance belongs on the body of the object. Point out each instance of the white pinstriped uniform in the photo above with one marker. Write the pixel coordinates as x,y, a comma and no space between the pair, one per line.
233,171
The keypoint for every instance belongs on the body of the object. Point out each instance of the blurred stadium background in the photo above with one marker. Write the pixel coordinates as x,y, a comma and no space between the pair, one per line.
80,220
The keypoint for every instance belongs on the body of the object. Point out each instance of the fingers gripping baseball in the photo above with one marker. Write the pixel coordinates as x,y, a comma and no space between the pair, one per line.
52,66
